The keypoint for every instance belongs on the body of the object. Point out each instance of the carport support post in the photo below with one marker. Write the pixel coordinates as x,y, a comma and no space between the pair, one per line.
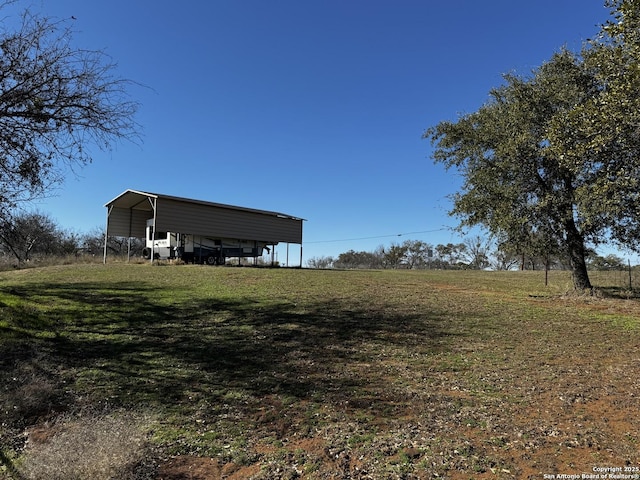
153,233
106,235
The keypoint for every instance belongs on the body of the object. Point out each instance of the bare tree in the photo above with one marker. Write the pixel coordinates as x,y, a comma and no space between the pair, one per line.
55,102
28,233
477,252
93,244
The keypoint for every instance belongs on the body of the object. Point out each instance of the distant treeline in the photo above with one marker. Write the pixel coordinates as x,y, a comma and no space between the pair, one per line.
476,253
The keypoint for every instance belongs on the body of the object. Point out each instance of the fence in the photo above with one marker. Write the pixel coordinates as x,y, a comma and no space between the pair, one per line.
628,279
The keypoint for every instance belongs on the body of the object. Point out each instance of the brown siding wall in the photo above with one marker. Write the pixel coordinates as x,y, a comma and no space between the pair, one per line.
226,222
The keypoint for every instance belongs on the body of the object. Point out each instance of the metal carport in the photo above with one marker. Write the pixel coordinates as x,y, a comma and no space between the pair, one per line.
127,216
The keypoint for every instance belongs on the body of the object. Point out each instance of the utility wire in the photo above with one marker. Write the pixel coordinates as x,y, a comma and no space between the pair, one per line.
378,236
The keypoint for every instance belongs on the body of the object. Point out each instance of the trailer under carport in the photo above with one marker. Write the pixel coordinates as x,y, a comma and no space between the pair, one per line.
127,216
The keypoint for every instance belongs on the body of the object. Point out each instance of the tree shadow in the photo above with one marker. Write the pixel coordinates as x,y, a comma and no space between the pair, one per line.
124,344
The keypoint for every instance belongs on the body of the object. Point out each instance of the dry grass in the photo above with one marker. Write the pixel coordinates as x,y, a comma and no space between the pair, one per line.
97,447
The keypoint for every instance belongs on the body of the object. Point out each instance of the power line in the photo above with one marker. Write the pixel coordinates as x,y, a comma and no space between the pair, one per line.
378,236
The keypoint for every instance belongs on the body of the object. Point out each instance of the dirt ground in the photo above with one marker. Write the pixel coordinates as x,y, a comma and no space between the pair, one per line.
568,407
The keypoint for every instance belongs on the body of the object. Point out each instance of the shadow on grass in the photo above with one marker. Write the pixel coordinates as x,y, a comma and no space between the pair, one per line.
123,343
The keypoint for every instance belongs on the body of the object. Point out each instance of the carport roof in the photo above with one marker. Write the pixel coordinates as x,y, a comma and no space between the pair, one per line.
138,200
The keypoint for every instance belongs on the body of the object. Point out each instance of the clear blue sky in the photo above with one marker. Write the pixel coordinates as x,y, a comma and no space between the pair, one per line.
311,108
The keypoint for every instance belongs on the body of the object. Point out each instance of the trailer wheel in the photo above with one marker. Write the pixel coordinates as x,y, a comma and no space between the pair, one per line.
212,260
146,253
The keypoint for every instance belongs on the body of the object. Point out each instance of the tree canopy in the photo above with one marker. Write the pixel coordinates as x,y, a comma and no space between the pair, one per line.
55,102
551,161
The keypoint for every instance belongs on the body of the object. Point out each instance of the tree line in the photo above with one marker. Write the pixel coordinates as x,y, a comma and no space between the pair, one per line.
33,235
411,254
474,253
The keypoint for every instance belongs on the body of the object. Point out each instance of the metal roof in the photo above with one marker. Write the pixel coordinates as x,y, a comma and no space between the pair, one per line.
136,199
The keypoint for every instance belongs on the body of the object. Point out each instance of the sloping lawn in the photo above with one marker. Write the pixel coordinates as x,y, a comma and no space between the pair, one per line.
276,373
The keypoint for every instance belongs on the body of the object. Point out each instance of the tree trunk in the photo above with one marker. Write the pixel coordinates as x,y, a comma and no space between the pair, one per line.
576,251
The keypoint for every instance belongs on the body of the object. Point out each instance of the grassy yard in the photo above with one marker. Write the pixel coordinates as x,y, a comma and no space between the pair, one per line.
275,373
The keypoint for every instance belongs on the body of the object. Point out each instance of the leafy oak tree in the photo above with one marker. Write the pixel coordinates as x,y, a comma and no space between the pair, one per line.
56,101
553,158
606,130
515,181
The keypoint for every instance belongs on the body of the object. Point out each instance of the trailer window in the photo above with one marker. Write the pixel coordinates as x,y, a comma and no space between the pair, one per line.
159,235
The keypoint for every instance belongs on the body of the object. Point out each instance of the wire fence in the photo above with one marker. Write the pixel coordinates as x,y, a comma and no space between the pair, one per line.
625,280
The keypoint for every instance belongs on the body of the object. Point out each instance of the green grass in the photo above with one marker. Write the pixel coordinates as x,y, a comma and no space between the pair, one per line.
229,361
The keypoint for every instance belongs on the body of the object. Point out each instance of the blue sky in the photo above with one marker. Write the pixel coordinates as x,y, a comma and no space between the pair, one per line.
311,108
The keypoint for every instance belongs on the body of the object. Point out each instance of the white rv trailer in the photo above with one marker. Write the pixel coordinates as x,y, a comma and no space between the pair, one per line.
198,248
